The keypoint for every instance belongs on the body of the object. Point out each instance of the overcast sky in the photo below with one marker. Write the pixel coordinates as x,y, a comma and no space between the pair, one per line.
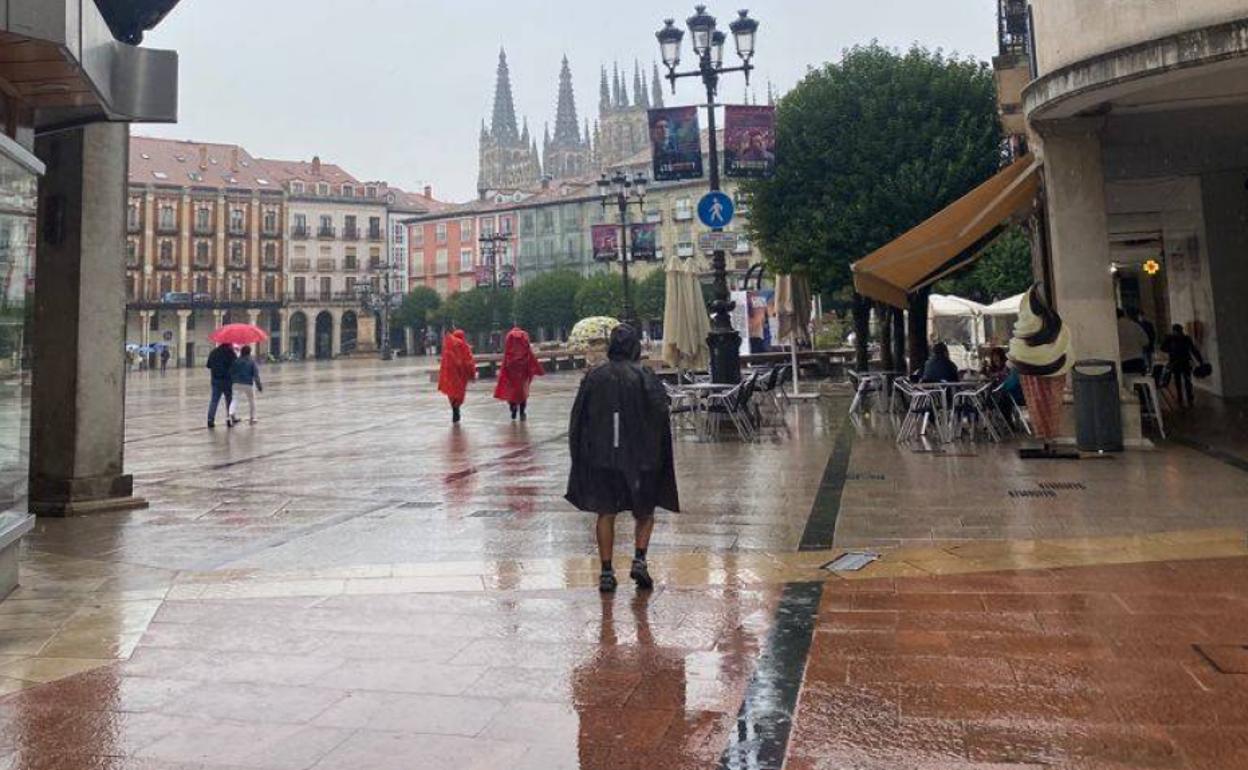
397,89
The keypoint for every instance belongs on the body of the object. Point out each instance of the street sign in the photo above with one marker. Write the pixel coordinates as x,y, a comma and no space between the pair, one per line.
716,209
717,241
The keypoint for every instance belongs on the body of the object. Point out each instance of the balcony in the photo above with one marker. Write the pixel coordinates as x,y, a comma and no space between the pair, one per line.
271,232
271,263
350,233
350,265
237,263
298,233
326,233
133,225
133,261
300,265
239,231
326,265
376,234
202,263
166,263
167,228
204,228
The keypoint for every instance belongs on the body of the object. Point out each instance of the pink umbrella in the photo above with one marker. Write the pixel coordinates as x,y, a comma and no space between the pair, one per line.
238,334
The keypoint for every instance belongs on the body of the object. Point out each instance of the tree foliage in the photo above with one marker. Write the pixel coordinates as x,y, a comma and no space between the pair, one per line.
652,295
602,294
868,148
548,301
1003,270
418,306
476,310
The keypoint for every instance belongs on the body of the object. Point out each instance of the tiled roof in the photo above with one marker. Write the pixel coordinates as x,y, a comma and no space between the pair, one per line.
196,164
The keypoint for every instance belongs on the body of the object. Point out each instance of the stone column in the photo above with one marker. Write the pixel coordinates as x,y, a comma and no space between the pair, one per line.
253,318
335,334
183,317
78,384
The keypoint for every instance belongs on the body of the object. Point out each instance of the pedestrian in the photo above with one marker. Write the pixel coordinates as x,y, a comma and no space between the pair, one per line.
245,381
458,369
1182,349
519,368
164,359
1150,333
1132,340
220,362
620,439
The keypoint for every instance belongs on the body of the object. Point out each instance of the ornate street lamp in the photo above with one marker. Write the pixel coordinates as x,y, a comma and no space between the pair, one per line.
625,192
493,246
708,45
381,304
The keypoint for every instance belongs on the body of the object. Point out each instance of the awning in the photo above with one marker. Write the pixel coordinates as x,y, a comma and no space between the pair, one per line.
951,239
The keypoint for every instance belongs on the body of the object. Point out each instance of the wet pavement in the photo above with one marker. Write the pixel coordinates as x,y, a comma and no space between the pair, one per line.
355,583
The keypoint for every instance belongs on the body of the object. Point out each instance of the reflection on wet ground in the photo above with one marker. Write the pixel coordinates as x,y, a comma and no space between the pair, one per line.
355,583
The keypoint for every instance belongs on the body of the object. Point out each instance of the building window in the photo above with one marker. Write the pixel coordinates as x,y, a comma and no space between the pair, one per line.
654,216
374,258
505,225
349,231
370,191
132,215
327,226
683,211
465,229
327,288
238,257
418,263
418,235
743,245
349,261
465,260
168,219
166,284
301,288
299,228
487,226
202,256
742,202
236,287
270,255
296,188
201,284
132,254
351,284
348,191
166,253
270,221
504,254
322,188
442,286
440,232
270,287
238,220
440,262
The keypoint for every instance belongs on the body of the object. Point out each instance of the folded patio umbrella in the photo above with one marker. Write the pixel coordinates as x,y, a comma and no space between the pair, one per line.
238,334
793,300
686,322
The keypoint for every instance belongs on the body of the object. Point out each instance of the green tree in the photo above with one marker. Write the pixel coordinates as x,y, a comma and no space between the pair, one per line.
548,301
418,306
868,148
476,310
602,294
1003,270
652,295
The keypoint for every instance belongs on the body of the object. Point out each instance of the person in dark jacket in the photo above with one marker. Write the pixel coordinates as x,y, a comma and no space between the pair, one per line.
244,382
220,360
620,439
1181,350
940,367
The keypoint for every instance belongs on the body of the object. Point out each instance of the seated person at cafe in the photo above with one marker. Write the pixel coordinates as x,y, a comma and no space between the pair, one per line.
995,368
940,367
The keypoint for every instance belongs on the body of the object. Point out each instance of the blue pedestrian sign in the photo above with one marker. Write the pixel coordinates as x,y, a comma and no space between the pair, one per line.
716,209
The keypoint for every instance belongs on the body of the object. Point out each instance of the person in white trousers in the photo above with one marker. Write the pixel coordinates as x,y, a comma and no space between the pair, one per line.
245,376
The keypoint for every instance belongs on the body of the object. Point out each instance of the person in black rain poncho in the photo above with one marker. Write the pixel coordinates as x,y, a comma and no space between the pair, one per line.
621,444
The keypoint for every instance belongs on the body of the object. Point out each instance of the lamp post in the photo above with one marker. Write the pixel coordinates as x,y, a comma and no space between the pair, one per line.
381,303
490,253
708,46
626,192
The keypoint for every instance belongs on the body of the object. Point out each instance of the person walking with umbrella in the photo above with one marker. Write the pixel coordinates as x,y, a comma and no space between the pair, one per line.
620,439
457,370
519,368
244,381
220,361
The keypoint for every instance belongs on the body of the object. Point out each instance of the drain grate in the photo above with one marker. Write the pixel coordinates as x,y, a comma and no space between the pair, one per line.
1032,493
1063,486
864,477
489,514
851,561
1225,658
419,505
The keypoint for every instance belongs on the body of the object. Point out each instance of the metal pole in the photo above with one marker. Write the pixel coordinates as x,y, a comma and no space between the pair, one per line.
386,353
724,341
628,293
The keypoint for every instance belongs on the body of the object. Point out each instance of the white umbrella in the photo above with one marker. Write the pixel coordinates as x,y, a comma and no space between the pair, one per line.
793,307
686,321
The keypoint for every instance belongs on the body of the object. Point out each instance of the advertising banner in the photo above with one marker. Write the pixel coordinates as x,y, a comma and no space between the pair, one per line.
749,142
606,242
740,315
676,144
643,241
485,276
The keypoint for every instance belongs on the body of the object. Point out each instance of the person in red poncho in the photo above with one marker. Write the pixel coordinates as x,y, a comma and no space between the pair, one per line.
520,366
458,369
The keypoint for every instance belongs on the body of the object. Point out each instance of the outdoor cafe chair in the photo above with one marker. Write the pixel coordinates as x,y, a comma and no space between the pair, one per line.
735,405
866,386
770,390
921,409
973,405
683,407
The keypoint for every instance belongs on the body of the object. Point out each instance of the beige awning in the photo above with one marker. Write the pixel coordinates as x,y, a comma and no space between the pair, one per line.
951,239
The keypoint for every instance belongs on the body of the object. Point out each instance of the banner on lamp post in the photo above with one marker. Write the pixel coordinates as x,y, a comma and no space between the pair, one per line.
749,142
606,240
676,144
643,241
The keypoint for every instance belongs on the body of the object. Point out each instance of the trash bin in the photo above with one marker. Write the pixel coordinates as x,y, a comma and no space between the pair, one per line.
1098,406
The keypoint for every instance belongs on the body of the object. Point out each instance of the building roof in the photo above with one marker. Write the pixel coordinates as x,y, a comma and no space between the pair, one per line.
197,164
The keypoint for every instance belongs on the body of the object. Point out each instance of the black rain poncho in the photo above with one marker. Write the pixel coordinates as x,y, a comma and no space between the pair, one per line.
620,436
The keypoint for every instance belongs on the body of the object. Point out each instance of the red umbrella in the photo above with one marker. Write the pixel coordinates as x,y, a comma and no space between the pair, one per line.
238,334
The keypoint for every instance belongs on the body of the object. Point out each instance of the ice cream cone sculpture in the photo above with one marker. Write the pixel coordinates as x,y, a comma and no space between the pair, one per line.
1041,352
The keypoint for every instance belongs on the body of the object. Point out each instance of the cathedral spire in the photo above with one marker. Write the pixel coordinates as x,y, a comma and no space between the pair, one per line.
524,134
567,127
604,93
656,89
615,85
639,87
503,125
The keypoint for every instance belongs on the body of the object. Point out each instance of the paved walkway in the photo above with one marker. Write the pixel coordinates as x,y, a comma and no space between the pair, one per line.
354,583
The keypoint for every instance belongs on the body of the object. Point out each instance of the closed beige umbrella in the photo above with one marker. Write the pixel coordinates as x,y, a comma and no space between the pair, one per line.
793,300
686,321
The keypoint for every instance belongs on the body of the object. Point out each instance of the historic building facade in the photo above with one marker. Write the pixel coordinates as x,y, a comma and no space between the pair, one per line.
216,236
569,153
623,126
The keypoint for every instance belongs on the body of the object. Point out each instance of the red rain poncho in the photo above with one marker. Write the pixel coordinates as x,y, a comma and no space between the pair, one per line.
458,367
519,368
